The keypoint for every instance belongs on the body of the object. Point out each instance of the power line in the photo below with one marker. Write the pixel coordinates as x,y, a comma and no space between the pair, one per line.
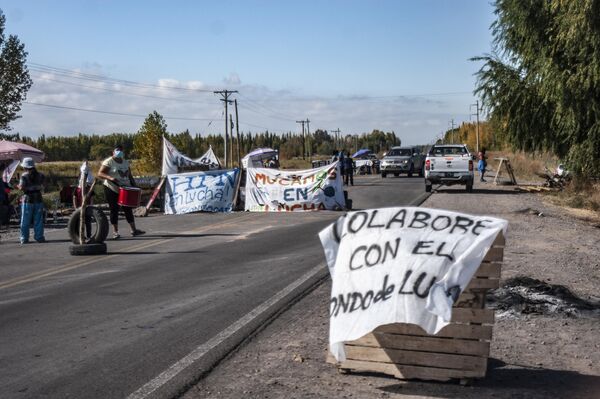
122,92
111,112
274,112
100,78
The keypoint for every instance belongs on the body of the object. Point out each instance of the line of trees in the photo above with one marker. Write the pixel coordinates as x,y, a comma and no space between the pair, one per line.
541,84
146,144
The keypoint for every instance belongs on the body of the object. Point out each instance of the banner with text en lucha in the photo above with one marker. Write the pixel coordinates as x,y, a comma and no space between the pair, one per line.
210,191
400,265
273,190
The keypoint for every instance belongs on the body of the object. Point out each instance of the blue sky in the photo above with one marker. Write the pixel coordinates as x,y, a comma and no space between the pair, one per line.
356,65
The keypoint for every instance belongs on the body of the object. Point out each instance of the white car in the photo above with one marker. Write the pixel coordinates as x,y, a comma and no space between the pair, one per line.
449,164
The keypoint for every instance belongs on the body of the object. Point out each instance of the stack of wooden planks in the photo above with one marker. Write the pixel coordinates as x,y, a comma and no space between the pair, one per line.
459,351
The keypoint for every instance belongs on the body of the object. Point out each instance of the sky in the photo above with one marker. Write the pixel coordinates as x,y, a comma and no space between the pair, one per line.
399,66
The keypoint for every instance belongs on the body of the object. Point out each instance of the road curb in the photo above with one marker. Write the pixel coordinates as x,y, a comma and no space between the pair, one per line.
174,381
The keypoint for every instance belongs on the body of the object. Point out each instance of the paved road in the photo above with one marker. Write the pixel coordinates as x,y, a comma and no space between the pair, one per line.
101,327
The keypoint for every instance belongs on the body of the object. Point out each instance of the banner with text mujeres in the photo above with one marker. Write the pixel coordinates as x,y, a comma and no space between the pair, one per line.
274,190
210,191
400,265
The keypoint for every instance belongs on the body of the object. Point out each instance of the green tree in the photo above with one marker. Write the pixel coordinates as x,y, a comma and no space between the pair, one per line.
541,85
147,144
14,76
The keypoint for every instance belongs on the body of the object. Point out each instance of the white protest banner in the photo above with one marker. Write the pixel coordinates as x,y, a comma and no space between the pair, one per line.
400,265
9,170
273,190
210,191
173,159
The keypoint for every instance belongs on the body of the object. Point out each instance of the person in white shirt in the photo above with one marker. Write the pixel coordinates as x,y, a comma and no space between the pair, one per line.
116,173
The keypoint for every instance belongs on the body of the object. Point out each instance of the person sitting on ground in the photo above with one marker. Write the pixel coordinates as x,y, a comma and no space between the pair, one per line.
116,173
32,204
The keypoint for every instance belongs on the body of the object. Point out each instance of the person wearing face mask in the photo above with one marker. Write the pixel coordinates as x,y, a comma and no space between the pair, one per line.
116,173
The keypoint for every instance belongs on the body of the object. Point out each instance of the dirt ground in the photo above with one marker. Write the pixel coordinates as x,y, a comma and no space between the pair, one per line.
546,340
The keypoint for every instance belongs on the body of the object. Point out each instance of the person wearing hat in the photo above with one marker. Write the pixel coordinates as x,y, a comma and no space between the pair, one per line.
116,172
32,204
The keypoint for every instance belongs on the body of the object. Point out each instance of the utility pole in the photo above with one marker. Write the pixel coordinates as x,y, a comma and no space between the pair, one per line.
309,150
231,138
303,145
237,133
452,130
476,114
336,138
225,99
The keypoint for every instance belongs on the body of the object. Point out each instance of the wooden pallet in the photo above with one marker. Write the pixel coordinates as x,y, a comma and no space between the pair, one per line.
459,351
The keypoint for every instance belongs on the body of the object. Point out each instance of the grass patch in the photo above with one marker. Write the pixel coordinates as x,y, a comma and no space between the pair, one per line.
525,166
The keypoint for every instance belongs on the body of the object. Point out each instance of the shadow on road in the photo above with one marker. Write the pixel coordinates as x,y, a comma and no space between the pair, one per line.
175,235
155,252
477,191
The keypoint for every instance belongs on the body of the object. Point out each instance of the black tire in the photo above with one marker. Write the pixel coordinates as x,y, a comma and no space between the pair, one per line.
88,249
396,174
421,171
428,188
99,234
470,187
383,175
410,171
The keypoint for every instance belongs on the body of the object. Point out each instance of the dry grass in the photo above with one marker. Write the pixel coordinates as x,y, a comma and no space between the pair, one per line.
579,196
525,166
295,163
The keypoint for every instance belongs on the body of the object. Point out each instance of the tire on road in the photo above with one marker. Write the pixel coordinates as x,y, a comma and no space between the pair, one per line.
410,171
383,175
88,249
396,174
428,188
92,213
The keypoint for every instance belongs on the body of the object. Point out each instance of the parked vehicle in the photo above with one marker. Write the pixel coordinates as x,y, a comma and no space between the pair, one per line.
398,160
449,164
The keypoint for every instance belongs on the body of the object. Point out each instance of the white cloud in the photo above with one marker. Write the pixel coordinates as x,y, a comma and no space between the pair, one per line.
414,119
233,79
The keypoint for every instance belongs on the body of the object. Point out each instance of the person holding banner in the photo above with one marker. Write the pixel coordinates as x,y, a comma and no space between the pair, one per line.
116,173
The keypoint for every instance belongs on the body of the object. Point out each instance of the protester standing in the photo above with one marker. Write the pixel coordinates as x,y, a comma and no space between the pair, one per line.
32,204
481,164
348,169
116,173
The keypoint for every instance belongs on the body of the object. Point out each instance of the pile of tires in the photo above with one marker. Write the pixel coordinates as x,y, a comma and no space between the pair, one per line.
94,245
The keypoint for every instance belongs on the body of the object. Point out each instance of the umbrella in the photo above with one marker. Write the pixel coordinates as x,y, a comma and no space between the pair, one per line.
261,151
10,150
361,152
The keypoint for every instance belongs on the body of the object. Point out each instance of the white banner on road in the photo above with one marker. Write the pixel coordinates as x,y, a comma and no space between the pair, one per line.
173,159
273,190
400,265
210,191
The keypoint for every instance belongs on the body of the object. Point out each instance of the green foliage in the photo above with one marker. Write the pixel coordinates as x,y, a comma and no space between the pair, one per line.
542,84
14,76
147,144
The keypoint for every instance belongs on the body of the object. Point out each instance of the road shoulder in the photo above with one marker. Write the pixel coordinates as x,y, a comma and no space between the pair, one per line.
552,353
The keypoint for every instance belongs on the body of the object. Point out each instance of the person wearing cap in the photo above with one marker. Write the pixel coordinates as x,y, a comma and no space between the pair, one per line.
32,204
116,172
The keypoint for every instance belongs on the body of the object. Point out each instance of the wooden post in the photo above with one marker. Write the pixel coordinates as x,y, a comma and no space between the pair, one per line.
237,132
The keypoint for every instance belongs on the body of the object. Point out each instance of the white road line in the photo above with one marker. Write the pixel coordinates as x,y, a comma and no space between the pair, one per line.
147,389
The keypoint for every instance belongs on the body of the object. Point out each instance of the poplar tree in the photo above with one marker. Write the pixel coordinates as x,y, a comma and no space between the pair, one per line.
14,76
541,84
147,144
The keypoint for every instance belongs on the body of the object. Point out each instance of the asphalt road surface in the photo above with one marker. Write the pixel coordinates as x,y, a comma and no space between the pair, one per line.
103,326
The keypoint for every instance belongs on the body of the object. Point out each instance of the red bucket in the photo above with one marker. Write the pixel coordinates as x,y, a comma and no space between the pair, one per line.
130,196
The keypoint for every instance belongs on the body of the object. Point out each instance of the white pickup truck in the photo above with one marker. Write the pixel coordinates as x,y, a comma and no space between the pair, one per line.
449,164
